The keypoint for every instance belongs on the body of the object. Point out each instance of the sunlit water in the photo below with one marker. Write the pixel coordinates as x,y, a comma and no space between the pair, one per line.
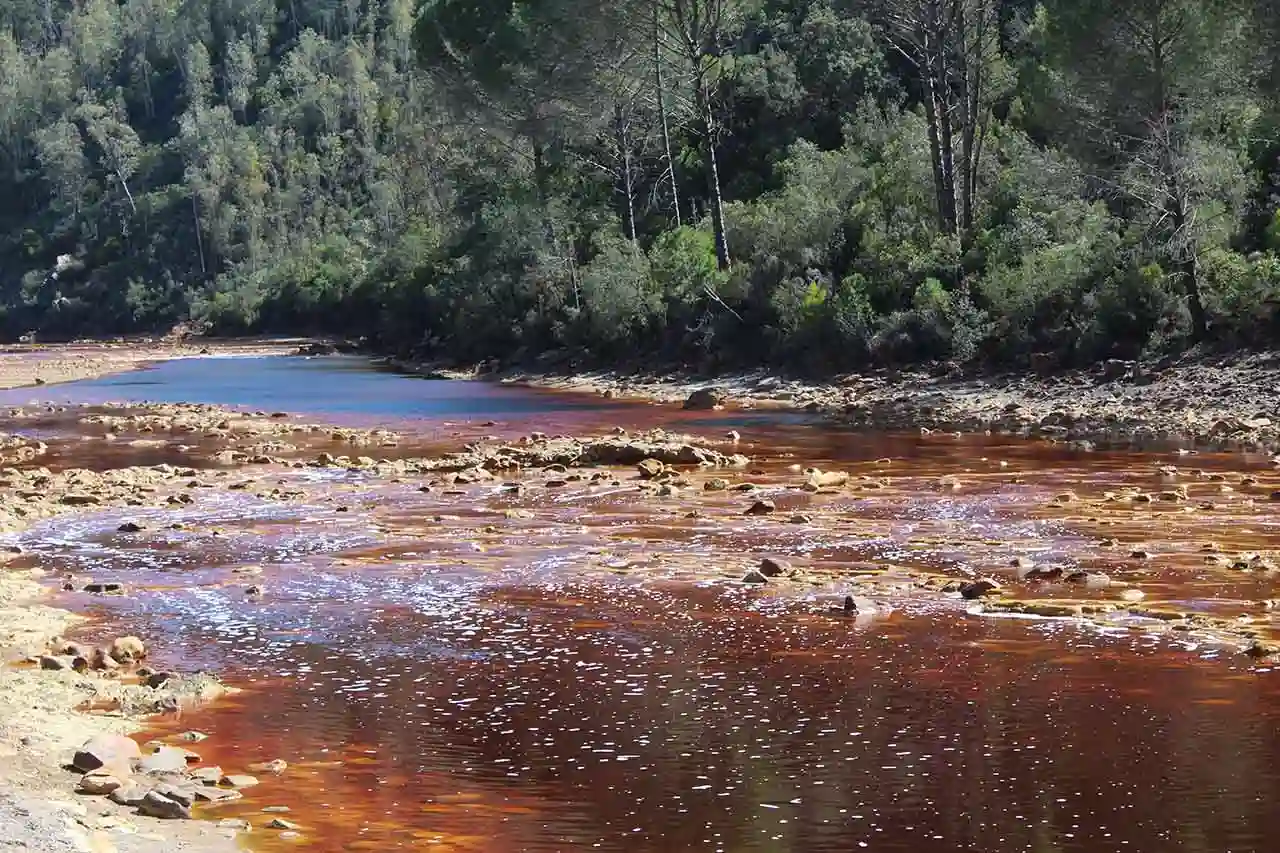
442,677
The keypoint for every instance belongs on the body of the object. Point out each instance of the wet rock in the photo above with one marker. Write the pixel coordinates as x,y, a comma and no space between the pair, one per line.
650,468
705,399
800,518
772,567
240,780
762,507
825,479
180,791
157,805
276,766
98,783
130,527
80,500
100,588
754,577
217,795
193,737
54,664
857,604
979,588
1090,580
111,751
668,491
1262,649
255,591
1132,595
210,775
235,824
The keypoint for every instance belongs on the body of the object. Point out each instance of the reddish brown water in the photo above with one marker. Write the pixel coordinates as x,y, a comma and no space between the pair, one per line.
443,677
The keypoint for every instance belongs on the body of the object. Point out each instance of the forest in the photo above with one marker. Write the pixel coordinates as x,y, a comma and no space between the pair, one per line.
812,184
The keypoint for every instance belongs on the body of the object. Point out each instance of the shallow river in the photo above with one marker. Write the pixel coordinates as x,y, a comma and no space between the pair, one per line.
442,673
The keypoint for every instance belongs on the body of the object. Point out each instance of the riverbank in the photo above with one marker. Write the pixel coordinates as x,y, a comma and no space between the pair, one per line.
1218,403
23,365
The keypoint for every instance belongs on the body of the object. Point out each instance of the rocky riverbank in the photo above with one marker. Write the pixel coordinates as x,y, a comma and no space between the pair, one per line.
1222,402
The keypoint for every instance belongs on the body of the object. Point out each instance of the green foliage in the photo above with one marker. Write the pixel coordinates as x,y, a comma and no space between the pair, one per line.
500,179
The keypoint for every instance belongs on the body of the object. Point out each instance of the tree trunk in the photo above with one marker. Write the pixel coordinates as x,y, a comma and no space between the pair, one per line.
628,179
662,114
713,179
195,220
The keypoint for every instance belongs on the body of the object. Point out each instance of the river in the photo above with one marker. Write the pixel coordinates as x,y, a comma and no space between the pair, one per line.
555,671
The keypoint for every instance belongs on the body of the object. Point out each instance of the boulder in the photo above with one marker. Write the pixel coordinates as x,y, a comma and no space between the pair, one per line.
705,399
157,805
111,751
979,588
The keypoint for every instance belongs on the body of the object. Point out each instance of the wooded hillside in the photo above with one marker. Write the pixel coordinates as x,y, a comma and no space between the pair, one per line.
820,183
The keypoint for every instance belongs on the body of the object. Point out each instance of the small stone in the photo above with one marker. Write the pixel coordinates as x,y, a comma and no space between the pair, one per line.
772,567
235,824
276,766
800,518
715,484
762,507
1132,595
650,468
276,809
158,679
98,783
104,588
193,737
130,527
160,806
211,794
210,775
754,577
1140,554
979,588
281,823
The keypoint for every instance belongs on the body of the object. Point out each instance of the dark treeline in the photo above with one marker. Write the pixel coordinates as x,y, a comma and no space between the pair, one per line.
816,183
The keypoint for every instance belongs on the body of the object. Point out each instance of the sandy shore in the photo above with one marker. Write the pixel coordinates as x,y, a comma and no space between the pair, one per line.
47,364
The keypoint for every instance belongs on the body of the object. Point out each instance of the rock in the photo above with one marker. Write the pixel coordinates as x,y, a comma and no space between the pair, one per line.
54,664
281,823
110,751
210,775
826,479
166,759
80,500
211,794
762,507
108,588
650,468
754,577
1092,580
183,792
734,436
1132,595
705,399
1262,649
240,781
858,604
129,794
98,783
130,527
772,567
235,824
800,518
979,588
276,766
716,484
128,649
160,806
158,679
193,737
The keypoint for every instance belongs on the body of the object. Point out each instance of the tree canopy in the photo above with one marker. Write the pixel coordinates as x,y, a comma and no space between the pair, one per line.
820,184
